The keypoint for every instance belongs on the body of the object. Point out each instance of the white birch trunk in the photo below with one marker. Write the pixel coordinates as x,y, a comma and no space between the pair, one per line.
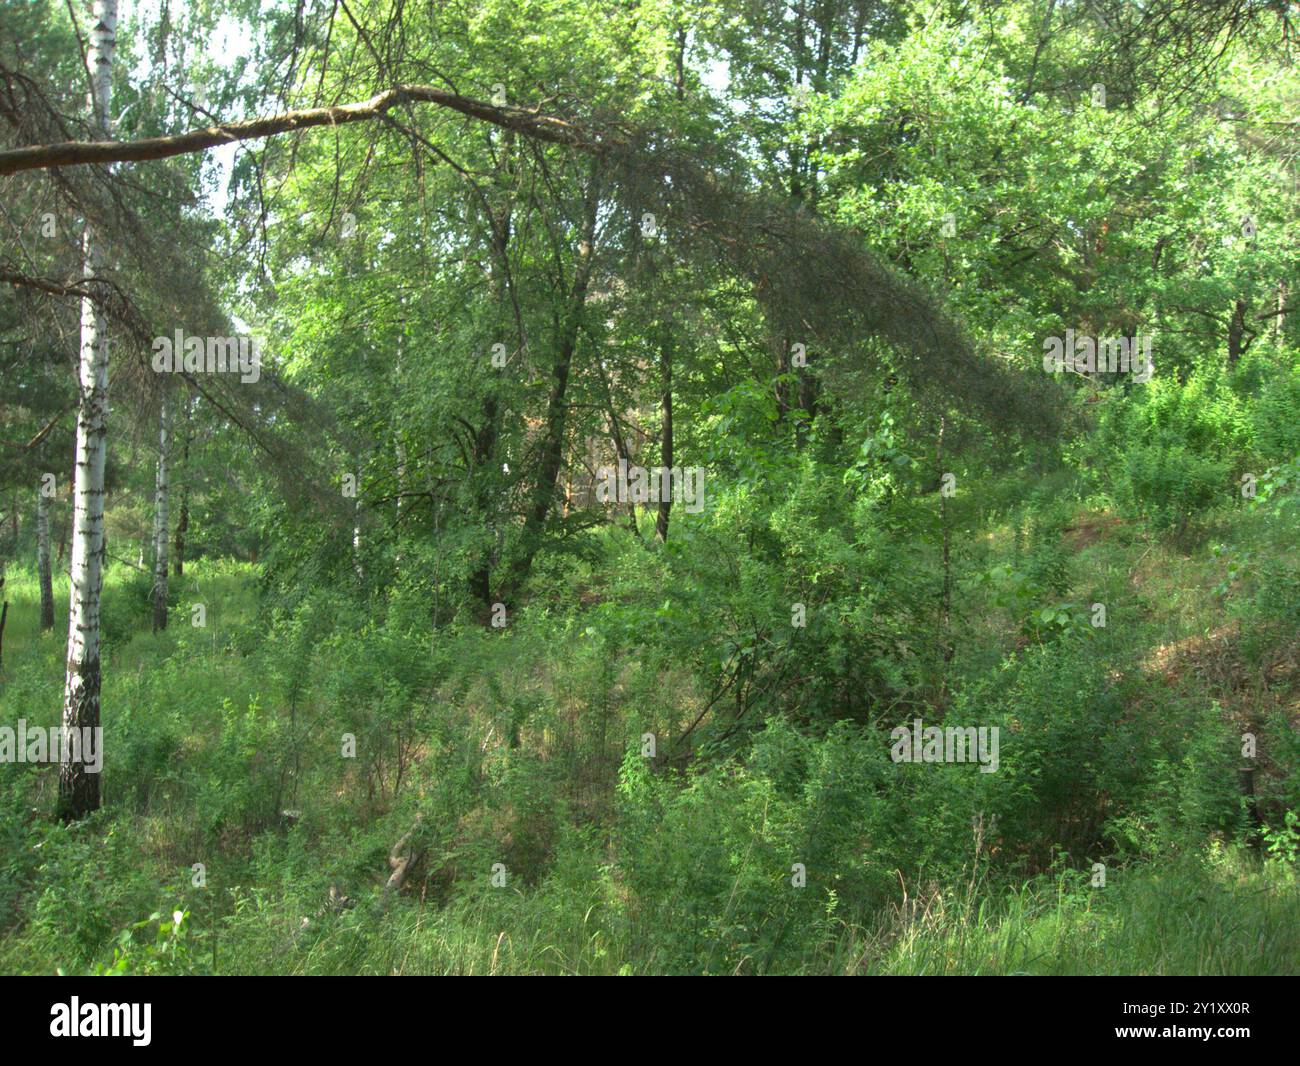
78,788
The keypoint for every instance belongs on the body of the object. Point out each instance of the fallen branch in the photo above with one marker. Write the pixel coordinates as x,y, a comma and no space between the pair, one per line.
84,153
400,861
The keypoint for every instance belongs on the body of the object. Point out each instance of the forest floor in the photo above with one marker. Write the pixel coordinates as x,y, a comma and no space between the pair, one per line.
186,709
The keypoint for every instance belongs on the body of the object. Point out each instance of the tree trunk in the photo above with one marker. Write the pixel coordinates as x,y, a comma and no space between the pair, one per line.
945,596
781,346
621,450
807,399
666,434
43,559
78,788
399,447
356,529
183,522
1237,332
557,408
485,444
499,217
160,518
4,611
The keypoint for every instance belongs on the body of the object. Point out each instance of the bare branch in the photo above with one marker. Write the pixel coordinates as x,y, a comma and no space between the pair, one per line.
82,153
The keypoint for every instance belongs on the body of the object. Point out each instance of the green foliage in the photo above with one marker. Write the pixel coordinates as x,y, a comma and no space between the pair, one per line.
1171,453
676,749
1275,418
167,951
1283,843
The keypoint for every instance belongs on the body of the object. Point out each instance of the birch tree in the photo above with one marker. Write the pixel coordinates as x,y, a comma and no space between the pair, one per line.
79,792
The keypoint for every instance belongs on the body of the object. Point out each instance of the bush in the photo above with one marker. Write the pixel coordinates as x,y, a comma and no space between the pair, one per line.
1172,450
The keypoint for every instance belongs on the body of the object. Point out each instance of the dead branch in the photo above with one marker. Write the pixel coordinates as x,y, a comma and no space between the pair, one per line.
82,153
